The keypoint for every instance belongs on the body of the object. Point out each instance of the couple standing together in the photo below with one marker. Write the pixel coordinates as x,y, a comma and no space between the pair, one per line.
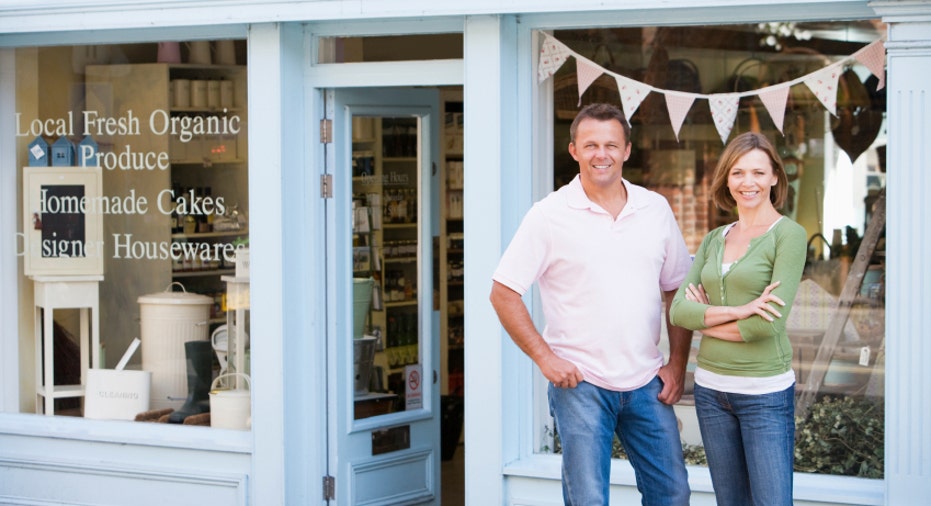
607,256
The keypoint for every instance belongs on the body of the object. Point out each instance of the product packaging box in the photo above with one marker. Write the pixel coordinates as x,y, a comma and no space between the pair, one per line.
116,395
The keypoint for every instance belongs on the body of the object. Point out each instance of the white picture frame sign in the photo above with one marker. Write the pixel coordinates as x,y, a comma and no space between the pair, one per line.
62,227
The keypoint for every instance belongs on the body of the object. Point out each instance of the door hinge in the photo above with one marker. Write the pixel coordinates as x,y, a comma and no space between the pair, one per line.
326,131
329,488
326,186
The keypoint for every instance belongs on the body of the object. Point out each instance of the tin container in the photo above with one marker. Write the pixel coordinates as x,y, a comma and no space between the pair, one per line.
168,320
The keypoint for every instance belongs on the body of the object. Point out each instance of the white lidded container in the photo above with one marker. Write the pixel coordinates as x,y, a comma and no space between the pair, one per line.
170,319
231,409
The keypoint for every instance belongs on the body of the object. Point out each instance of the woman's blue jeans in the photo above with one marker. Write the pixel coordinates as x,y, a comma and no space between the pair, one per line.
749,441
587,418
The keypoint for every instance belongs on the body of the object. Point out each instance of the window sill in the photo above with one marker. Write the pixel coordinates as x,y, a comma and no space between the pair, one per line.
127,432
814,488
545,466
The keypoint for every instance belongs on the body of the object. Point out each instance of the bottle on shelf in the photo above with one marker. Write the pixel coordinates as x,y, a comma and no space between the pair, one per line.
401,286
208,197
409,291
177,221
201,218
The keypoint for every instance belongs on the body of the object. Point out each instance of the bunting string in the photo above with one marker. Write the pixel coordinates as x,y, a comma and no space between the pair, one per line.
823,83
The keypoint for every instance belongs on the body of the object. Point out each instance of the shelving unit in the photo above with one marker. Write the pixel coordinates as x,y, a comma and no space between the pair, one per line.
385,235
451,259
208,168
64,292
201,145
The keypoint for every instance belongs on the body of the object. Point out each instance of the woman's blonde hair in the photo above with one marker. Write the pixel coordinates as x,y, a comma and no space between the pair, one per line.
741,145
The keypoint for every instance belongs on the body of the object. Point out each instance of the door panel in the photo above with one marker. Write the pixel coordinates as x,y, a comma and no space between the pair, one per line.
383,388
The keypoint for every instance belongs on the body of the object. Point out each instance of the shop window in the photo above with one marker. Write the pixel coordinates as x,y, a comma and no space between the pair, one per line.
390,48
132,160
836,168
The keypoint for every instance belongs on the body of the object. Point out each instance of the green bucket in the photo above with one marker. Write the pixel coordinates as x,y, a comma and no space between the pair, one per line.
362,300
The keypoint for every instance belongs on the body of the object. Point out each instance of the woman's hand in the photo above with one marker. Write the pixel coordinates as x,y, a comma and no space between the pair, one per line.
761,305
718,315
696,294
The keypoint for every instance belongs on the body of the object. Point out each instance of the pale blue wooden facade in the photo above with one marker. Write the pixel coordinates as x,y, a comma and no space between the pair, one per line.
45,460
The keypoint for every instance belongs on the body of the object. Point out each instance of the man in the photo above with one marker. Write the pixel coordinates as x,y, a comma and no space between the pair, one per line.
603,251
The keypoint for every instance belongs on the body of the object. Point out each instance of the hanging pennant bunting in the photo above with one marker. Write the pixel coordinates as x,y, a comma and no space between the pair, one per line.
823,83
552,55
587,72
724,112
632,94
873,57
678,105
775,98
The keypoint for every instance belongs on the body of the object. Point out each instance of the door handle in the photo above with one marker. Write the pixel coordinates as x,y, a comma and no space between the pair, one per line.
434,376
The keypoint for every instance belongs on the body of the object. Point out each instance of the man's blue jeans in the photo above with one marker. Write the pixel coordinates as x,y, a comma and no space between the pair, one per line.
587,418
750,444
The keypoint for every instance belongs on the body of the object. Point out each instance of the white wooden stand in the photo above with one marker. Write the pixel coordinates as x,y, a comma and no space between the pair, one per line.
64,292
237,303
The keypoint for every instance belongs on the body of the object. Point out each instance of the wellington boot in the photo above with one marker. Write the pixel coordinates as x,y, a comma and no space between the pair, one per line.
199,370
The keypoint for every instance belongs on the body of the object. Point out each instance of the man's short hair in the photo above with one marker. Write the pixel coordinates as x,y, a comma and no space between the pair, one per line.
600,112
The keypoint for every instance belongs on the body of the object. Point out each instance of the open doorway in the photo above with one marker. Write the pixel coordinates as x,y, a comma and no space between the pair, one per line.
446,206
406,162
450,274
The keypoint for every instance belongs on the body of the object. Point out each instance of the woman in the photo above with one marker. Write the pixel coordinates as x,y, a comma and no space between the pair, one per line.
738,293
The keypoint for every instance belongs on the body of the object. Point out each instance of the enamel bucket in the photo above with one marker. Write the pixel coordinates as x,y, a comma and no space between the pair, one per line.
231,409
362,302
168,320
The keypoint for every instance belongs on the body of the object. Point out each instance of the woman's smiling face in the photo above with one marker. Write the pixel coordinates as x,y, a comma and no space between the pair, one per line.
751,179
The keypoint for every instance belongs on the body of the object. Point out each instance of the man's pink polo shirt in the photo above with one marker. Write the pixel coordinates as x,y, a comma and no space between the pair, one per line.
601,279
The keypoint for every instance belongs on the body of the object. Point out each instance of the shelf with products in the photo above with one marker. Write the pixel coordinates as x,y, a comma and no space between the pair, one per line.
400,241
385,234
204,272
208,176
193,125
451,244
204,253
401,297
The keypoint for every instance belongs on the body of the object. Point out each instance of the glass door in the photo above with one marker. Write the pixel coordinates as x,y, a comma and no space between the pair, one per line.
387,407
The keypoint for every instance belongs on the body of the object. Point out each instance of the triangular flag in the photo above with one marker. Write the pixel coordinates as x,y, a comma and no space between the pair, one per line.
678,105
823,84
552,55
586,72
775,98
632,94
873,57
724,112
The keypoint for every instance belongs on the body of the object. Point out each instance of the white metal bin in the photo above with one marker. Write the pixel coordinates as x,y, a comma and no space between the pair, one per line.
170,319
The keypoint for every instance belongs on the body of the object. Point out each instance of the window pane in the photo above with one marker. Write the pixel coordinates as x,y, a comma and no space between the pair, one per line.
386,260
135,199
836,168
441,46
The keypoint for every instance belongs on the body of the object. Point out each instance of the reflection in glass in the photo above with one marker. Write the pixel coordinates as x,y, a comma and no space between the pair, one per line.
836,168
386,261
170,137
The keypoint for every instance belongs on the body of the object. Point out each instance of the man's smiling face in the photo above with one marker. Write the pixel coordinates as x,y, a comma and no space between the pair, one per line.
601,148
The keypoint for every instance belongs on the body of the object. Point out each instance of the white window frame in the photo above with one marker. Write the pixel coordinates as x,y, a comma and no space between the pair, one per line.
525,466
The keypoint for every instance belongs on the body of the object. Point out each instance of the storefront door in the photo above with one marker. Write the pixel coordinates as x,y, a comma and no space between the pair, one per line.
386,422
